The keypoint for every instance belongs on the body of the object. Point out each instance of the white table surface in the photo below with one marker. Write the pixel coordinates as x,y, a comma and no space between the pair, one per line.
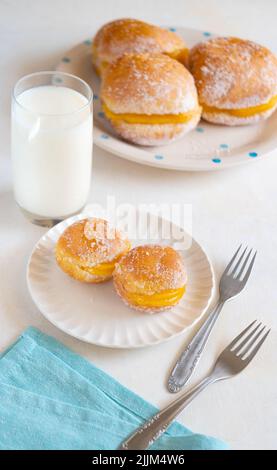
228,207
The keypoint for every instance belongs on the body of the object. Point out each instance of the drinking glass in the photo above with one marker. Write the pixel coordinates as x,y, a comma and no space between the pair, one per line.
51,145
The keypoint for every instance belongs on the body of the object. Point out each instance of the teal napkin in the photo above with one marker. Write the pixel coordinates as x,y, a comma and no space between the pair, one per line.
51,398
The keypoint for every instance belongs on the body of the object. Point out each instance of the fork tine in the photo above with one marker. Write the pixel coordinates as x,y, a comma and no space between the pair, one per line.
247,274
244,264
245,341
256,349
237,265
237,338
248,346
231,262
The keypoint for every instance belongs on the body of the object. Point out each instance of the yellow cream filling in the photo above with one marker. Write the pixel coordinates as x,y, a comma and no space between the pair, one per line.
162,299
243,112
103,269
181,55
151,118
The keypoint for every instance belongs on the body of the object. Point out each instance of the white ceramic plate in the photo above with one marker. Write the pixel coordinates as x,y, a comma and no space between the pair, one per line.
208,147
95,314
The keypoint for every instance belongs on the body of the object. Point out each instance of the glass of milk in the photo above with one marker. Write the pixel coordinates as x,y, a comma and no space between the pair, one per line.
51,145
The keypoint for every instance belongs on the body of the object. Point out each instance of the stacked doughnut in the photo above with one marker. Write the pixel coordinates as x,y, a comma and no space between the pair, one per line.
133,36
147,94
149,278
150,99
154,90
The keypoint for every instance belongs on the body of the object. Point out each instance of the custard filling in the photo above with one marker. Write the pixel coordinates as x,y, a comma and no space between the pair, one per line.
243,112
180,54
103,269
151,118
165,298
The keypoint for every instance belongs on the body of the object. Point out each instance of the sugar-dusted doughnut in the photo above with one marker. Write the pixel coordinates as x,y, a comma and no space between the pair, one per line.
236,80
88,249
149,99
129,35
150,278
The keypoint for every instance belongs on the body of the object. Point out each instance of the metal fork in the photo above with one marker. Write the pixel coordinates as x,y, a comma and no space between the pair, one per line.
230,362
232,282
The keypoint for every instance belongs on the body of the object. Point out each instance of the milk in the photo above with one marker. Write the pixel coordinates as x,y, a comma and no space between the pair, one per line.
51,150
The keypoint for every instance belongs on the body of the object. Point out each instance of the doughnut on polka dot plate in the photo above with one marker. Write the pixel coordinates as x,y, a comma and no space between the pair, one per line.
199,150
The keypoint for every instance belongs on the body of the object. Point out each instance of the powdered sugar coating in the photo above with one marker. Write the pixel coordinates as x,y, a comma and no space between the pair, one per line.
130,35
90,242
232,73
150,269
148,84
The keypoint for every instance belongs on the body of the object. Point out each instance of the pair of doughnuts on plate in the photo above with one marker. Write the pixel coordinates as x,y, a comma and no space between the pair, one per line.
150,278
150,98
148,95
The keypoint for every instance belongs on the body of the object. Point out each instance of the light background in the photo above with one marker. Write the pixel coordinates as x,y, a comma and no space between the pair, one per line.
228,207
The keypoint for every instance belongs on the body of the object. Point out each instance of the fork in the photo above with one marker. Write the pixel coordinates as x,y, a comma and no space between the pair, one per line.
232,281
231,361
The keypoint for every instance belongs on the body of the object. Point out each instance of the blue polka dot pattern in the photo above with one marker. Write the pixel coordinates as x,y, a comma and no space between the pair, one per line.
57,80
172,29
95,97
104,136
159,157
101,114
199,129
87,42
253,154
224,146
66,60
207,34
216,160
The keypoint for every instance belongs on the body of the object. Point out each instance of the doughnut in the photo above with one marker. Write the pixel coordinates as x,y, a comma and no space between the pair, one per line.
88,249
236,80
150,278
149,99
129,35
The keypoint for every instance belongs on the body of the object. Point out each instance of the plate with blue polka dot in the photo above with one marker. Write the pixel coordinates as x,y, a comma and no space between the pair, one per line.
206,148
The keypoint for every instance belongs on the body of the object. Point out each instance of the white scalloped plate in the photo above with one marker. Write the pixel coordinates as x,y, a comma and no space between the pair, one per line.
95,314
208,147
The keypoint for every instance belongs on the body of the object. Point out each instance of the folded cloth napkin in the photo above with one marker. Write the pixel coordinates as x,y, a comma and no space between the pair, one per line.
51,398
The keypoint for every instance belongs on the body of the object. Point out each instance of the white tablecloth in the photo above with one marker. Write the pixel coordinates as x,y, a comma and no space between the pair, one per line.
228,207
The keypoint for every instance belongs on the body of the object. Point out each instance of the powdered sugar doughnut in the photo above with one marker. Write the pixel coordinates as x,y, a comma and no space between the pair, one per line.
129,35
236,80
88,249
149,99
150,278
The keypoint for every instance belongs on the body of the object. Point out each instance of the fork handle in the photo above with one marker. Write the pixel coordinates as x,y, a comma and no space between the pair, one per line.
189,358
152,429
